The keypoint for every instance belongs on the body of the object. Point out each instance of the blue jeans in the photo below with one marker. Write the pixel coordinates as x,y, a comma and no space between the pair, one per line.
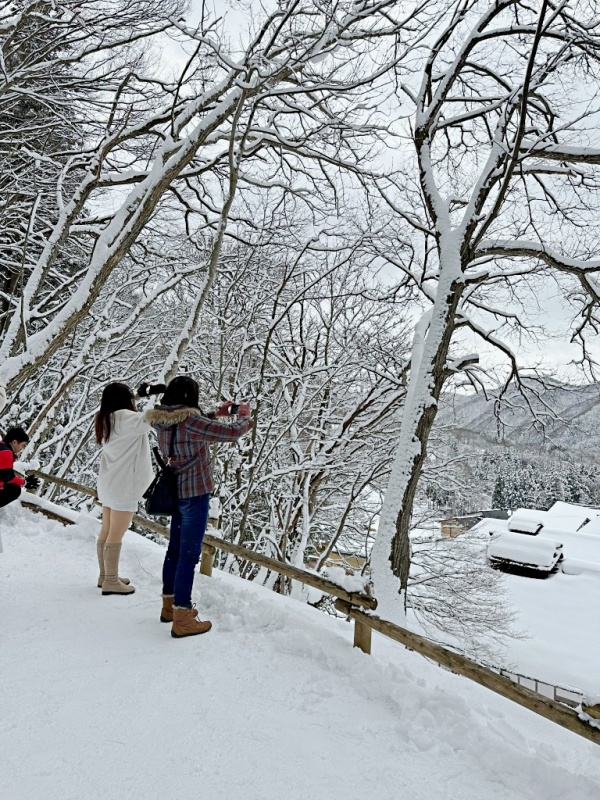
188,525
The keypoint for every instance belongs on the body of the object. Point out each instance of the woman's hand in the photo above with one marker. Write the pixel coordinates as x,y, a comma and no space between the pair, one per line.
244,410
224,409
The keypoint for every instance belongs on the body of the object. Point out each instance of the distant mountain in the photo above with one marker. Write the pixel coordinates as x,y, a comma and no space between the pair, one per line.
557,418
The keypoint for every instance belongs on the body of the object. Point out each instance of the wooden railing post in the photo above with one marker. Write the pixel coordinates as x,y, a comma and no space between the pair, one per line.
362,637
362,633
207,560
209,550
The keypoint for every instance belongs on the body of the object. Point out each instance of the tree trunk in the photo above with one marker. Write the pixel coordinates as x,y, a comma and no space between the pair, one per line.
433,335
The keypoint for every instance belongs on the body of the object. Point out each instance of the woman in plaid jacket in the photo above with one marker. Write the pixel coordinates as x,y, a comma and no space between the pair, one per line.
194,431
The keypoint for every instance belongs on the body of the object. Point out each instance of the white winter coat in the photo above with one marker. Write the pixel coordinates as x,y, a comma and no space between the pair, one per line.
125,465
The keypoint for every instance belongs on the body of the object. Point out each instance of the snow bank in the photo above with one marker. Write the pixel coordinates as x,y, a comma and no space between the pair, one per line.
574,566
274,702
560,619
577,546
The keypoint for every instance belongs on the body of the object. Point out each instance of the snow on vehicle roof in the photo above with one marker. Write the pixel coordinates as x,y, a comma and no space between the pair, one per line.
524,550
527,520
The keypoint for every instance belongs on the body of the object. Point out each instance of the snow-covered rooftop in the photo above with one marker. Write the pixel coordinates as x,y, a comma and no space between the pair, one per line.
569,516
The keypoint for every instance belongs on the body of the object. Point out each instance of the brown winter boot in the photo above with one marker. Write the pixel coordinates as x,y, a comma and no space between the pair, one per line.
186,623
100,551
112,584
166,614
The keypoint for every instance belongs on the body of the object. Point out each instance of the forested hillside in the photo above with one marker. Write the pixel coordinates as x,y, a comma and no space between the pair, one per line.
507,450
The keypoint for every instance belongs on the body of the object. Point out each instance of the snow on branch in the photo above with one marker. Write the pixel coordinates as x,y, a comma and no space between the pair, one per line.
531,249
560,152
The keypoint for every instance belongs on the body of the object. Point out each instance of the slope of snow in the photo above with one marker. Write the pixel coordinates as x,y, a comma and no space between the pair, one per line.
560,616
98,700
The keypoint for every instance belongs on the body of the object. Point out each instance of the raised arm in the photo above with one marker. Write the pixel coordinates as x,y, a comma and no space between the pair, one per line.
212,430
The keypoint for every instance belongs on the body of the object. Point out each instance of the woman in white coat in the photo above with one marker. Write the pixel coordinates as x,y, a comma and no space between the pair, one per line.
125,474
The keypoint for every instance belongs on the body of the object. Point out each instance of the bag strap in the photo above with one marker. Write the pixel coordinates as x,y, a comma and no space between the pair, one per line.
158,456
172,444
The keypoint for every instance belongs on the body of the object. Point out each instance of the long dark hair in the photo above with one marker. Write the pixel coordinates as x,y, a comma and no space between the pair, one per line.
114,397
182,391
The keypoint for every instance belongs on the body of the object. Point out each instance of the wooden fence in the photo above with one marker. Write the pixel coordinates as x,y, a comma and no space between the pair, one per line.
352,604
561,694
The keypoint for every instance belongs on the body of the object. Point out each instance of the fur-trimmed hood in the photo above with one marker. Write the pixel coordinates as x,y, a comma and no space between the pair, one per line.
170,415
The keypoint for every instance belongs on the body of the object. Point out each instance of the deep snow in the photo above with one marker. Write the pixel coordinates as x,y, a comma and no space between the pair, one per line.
97,700
560,615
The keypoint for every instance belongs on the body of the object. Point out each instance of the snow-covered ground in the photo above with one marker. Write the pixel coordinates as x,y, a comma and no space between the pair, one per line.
97,700
560,614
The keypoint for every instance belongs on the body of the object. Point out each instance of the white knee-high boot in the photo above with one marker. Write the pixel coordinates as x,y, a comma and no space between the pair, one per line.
112,584
100,553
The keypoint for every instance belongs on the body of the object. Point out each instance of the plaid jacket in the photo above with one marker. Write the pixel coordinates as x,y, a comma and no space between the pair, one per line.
193,436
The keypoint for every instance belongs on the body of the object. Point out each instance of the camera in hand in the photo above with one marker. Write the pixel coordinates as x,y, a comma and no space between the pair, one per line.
234,408
147,389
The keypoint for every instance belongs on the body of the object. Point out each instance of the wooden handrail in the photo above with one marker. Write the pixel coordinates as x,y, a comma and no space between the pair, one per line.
77,487
347,603
310,579
550,709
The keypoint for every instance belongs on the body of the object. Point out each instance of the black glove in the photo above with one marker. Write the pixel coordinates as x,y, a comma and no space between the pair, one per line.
146,389
32,483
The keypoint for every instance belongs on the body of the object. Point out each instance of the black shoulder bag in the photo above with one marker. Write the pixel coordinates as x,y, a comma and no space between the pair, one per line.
161,496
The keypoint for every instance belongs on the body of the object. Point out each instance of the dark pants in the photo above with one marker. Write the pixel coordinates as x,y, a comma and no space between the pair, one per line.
188,524
10,492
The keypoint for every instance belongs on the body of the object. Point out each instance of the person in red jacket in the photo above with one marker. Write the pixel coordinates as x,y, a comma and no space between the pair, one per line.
11,484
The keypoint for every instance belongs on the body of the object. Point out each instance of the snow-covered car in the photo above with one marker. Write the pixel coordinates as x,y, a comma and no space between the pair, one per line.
525,552
527,520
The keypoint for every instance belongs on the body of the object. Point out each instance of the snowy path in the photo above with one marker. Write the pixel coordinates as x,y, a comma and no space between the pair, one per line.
97,700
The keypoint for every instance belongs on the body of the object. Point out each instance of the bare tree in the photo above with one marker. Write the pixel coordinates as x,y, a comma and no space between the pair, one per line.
500,205
290,95
293,324
451,590
63,69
